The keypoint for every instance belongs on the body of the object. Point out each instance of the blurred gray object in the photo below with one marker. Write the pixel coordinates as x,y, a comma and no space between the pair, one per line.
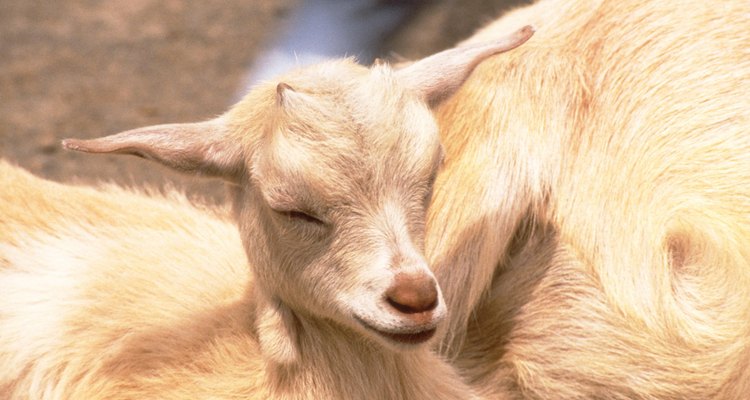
323,29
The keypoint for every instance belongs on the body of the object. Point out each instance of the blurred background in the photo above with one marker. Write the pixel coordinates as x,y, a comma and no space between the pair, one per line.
87,68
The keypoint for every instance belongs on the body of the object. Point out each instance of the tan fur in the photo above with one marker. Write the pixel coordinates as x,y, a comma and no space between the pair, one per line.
109,294
116,306
591,226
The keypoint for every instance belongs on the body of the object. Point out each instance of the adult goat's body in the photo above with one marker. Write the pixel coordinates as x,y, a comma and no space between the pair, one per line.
595,241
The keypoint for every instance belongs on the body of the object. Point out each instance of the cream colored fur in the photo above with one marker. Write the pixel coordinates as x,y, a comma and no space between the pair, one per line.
104,300
109,294
591,226
122,295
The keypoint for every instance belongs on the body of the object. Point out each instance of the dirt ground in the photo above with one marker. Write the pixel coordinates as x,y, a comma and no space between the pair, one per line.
85,68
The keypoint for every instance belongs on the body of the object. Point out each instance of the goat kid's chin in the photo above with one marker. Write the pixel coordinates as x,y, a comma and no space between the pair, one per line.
395,329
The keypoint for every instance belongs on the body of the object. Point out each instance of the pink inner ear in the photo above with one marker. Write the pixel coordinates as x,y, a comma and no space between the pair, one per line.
438,76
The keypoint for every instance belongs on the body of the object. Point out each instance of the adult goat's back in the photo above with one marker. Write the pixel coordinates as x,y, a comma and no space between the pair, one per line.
606,251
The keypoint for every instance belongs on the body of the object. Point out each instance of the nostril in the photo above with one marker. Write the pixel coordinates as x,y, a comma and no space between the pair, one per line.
412,308
411,294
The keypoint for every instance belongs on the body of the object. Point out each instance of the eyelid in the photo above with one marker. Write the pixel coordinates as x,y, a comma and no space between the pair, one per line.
299,214
279,200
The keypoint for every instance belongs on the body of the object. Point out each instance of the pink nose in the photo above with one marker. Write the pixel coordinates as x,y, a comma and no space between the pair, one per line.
413,293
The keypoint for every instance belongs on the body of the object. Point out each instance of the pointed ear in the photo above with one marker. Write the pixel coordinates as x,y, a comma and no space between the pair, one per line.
438,76
202,148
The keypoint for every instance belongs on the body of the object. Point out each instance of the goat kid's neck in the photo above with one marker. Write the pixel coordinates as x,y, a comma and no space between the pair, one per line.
306,354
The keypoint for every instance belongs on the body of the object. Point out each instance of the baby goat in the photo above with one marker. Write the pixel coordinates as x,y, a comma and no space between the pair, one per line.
331,174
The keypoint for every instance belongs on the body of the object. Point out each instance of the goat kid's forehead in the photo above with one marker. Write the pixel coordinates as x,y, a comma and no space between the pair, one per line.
345,127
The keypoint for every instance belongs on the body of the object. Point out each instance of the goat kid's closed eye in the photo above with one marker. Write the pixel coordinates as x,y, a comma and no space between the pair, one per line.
300,216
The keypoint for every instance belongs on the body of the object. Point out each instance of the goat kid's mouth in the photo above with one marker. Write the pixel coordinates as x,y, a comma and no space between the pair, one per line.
413,337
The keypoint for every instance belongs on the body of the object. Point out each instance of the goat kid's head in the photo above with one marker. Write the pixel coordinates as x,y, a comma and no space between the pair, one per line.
333,171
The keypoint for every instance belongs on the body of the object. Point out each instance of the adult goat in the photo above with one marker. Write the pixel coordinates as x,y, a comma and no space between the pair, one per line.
591,226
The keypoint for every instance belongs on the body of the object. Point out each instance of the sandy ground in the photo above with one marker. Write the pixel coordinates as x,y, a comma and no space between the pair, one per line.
82,68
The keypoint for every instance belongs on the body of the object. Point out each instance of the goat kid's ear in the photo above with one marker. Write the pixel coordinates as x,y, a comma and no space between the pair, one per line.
201,148
438,76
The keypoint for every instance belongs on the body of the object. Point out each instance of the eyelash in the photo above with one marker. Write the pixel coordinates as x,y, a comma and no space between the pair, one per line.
300,216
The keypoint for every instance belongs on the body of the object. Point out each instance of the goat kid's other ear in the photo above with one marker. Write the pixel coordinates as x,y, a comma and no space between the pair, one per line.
201,148
438,76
